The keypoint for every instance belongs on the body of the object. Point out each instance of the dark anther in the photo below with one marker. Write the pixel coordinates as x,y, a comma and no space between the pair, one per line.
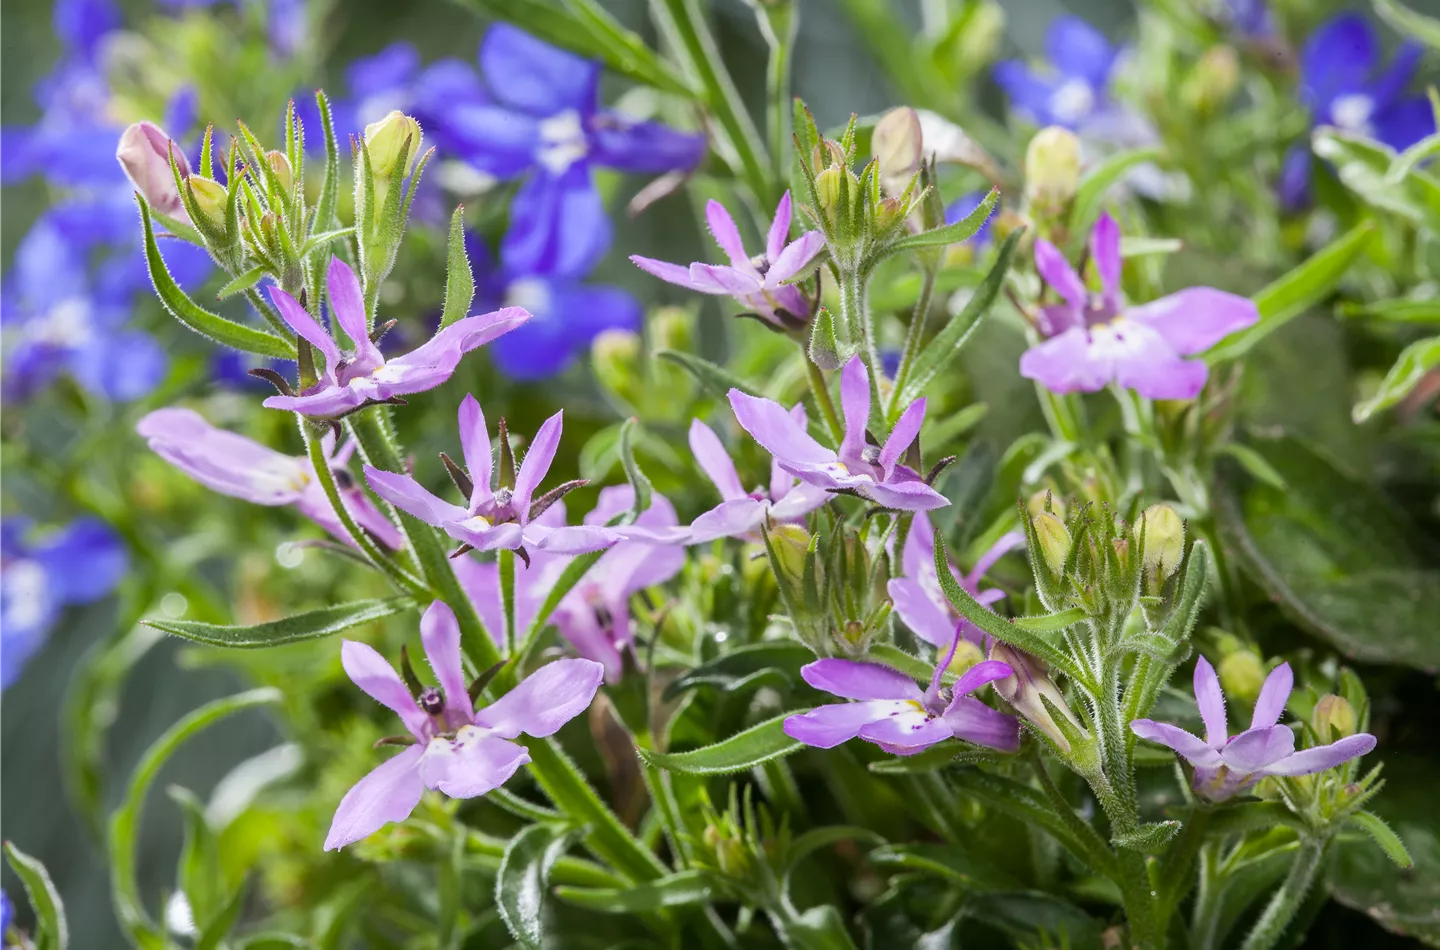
343,479
603,617
761,263
432,700
871,454
503,497
273,378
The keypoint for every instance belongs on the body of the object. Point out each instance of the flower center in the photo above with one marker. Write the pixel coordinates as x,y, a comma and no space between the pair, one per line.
761,263
25,586
562,141
66,326
432,700
532,293
1352,113
1072,101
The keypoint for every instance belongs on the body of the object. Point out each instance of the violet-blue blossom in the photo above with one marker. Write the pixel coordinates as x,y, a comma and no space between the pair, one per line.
918,598
1097,339
494,518
891,710
365,376
539,117
758,283
741,514
80,564
1227,765
566,314
873,472
458,750
1343,84
1076,90
241,468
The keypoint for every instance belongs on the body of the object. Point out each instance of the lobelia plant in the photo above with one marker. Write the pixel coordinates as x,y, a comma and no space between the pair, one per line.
635,728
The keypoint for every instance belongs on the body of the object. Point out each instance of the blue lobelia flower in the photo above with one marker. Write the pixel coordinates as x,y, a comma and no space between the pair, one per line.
1250,19
565,314
1342,84
1077,90
79,565
539,118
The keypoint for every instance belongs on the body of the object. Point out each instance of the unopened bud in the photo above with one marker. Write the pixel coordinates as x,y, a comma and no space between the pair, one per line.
615,355
1164,535
827,186
852,638
1037,503
966,655
672,328
1242,673
1024,688
789,544
388,139
1333,718
897,143
1214,80
144,152
1054,540
1052,170
281,166
211,200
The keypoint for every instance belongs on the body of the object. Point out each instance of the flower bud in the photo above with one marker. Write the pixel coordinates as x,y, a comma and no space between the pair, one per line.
1214,80
1052,170
615,355
897,144
387,139
211,199
144,152
281,166
1024,689
966,655
827,186
1333,718
789,543
1054,540
1164,535
1036,503
1242,673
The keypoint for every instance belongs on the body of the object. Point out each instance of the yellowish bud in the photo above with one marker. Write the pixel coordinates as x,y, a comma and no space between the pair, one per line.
1242,673
387,139
281,166
210,199
1052,170
1164,535
1054,540
1333,718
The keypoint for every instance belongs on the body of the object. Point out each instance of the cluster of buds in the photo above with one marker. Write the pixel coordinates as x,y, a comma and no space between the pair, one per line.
385,157
745,848
834,587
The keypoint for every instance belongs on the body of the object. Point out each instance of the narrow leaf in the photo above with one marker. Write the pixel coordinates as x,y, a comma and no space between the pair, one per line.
950,233
1091,194
718,380
676,890
307,626
51,930
524,877
782,657
644,491
1409,23
197,318
1149,838
1384,836
1415,362
242,283
459,281
741,751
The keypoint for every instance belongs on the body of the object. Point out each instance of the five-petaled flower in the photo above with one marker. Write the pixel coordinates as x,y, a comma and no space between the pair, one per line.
759,283
918,598
892,711
1095,339
458,750
365,376
1076,92
1226,765
741,514
501,517
872,472
241,468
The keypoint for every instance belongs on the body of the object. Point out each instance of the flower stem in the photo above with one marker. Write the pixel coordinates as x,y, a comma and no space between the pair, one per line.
507,596
1288,899
778,22
822,399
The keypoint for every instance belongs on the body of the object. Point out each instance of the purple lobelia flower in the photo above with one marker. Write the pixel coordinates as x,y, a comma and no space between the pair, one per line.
918,598
1343,85
1095,339
38,579
495,518
757,282
241,468
892,711
1226,765
365,376
872,472
458,750
538,116
741,514
1077,90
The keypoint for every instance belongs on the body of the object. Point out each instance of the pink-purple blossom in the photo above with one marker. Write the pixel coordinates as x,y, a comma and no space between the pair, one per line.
891,711
1097,339
241,468
494,518
364,376
759,282
741,514
1226,765
918,598
458,750
856,467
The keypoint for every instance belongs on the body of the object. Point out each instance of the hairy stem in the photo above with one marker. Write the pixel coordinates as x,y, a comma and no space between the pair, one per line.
821,392
1286,902
507,597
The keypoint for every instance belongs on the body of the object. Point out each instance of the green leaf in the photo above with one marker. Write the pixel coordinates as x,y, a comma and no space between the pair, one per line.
946,861
1409,23
1149,838
950,233
198,875
583,27
1254,463
242,283
310,625
1090,195
51,930
675,890
1335,554
214,931
125,821
524,877
1417,360
1385,837
1397,310
1405,901
741,751
182,308
459,281
816,838
316,241
330,184
1050,623
829,347
639,483
718,380
1381,178
782,657
1297,291
957,332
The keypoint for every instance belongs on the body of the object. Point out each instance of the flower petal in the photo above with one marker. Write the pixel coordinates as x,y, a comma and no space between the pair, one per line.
471,764
1056,271
1337,59
405,493
305,325
625,144
440,635
223,461
1273,696
347,307
906,733
825,727
1195,319
1323,757
532,75
475,446
986,671
853,679
727,280
921,613
777,431
729,519
536,463
714,461
389,793
722,228
855,403
545,700
797,501
558,225
1191,748
677,274
794,257
1211,702
1254,749
1078,49
369,671
969,719
907,428
779,234
1105,252
1064,364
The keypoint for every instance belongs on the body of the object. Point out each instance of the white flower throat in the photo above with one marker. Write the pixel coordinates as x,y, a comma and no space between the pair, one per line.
1072,101
562,141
